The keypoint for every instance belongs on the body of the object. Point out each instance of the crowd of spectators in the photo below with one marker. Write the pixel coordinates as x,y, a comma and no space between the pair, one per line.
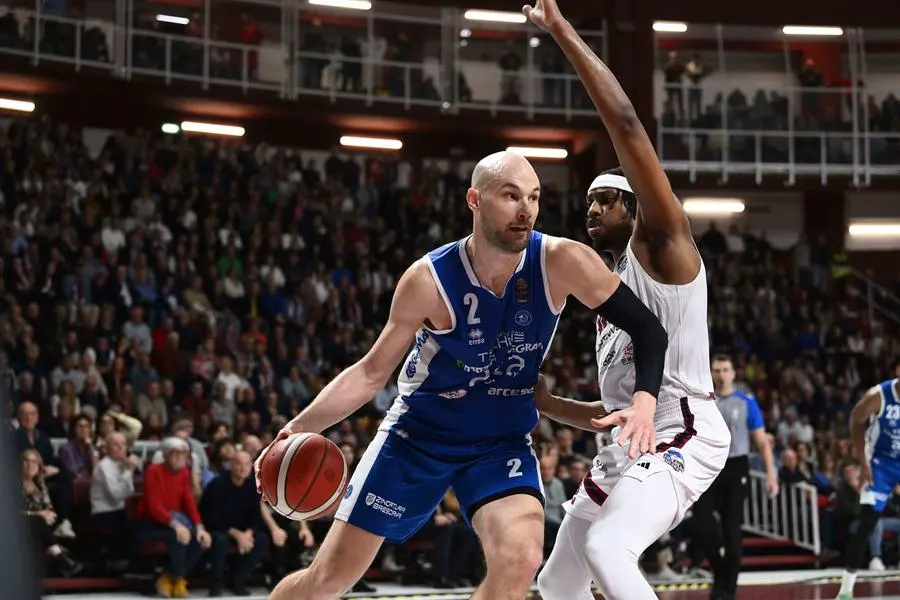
329,57
174,300
816,106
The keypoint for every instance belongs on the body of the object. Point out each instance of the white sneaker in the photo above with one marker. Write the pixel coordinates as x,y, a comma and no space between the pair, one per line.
64,530
876,564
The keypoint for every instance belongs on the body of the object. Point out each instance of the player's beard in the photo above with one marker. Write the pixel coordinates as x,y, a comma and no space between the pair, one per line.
503,239
614,237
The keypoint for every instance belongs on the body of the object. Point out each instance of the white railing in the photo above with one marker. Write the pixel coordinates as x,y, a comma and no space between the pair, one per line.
744,152
286,69
793,515
879,300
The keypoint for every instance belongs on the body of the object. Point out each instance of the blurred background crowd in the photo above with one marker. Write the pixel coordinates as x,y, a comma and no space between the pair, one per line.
178,289
168,301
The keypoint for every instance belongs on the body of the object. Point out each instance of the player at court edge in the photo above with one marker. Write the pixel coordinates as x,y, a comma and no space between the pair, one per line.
632,497
876,444
474,319
727,493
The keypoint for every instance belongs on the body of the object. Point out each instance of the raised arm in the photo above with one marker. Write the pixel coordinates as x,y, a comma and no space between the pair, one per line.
659,211
415,299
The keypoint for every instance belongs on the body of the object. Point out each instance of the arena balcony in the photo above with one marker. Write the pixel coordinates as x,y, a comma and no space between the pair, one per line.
778,102
434,60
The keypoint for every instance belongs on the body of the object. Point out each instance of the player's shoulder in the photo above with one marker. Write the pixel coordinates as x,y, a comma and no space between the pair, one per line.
450,249
560,248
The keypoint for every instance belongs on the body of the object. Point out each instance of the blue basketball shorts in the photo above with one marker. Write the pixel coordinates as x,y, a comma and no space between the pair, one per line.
885,475
398,484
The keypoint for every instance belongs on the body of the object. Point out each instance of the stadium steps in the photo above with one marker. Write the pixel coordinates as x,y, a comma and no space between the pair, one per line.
766,554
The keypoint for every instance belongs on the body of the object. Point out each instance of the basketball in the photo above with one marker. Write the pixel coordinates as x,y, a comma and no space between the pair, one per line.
303,476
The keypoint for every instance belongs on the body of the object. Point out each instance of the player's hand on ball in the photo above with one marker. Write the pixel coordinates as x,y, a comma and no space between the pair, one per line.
257,464
545,14
636,421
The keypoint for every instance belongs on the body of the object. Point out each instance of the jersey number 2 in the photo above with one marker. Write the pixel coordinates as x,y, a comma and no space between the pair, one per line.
514,464
471,300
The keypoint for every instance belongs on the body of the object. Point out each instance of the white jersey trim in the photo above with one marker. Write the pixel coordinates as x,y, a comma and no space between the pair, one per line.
443,292
545,277
470,272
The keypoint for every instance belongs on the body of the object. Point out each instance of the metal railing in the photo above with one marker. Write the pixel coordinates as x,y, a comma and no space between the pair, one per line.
793,515
880,302
748,112
446,82
770,152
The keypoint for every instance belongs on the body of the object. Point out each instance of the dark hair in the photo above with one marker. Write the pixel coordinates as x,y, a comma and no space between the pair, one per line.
628,198
722,358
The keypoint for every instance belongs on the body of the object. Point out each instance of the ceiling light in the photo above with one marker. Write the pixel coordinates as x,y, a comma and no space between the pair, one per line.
170,128
367,142
17,105
549,153
212,128
669,26
713,206
465,33
806,30
173,19
534,42
494,16
875,230
351,4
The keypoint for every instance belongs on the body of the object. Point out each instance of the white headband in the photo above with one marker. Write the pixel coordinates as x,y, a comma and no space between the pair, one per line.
609,180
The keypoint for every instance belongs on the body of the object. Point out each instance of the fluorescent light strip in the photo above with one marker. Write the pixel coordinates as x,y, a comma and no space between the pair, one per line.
173,19
494,16
17,105
713,206
212,128
351,4
367,142
887,229
550,153
811,30
669,26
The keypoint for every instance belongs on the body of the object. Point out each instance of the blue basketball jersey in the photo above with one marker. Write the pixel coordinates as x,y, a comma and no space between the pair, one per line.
883,436
473,384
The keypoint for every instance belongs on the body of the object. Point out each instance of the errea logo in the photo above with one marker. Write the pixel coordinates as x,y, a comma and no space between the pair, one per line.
476,337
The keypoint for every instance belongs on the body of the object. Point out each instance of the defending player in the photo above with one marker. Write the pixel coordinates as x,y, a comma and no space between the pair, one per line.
629,500
481,313
876,442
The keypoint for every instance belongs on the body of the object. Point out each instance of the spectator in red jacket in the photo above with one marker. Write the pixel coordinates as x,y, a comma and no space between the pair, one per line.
168,513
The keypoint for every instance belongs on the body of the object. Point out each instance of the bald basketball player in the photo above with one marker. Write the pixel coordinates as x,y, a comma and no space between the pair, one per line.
479,314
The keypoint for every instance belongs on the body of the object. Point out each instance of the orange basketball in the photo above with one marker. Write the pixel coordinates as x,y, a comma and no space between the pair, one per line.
303,476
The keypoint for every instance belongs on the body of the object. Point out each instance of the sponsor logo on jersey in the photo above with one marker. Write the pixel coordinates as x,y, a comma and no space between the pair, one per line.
529,391
476,337
349,491
628,354
385,506
414,356
675,460
521,291
523,318
454,395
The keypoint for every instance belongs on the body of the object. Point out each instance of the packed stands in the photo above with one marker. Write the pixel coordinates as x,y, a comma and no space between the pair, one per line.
176,286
